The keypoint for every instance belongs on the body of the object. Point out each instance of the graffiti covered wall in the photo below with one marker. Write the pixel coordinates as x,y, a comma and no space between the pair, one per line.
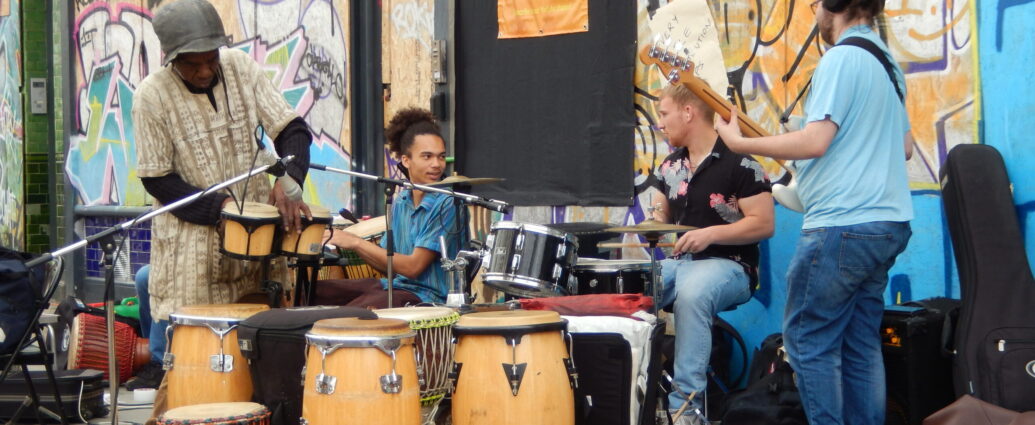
12,195
302,45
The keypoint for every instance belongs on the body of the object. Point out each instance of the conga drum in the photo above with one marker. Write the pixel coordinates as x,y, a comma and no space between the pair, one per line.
309,243
239,413
249,232
360,371
512,368
203,360
88,346
434,347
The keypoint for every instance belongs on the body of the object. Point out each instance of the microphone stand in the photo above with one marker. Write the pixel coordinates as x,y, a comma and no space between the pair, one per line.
391,183
108,245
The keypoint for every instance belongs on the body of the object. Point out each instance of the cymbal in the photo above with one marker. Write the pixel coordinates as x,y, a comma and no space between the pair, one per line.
651,227
458,179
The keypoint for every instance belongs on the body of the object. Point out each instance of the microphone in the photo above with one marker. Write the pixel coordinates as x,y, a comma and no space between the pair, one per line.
346,214
494,205
278,168
316,166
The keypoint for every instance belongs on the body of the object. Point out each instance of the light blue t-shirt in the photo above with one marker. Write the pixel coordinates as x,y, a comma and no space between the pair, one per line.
862,176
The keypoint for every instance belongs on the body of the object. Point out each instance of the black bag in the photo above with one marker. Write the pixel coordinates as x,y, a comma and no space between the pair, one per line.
995,337
20,293
771,396
273,341
724,335
82,394
917,358
604,362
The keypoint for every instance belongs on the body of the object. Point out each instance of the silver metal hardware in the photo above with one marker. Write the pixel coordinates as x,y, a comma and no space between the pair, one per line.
515,262
221,362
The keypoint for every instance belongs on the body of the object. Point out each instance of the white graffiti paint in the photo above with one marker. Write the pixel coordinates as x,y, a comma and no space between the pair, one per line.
413,20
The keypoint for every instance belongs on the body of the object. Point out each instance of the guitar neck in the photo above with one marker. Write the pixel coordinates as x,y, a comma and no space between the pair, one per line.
722,107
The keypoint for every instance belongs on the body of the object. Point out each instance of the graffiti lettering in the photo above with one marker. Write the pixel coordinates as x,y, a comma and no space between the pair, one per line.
411,21
325,77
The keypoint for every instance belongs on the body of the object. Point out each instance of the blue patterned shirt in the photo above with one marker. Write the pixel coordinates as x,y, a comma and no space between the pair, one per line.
421,226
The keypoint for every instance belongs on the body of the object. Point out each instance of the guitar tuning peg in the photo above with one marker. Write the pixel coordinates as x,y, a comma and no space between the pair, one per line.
677,60
655,46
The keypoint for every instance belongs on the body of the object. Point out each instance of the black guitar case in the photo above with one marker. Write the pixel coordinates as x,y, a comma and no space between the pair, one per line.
995,337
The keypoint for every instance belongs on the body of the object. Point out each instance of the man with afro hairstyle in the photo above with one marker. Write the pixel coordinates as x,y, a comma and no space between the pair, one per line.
418,219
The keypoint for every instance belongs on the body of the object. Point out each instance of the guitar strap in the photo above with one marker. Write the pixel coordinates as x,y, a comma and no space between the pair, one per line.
869,46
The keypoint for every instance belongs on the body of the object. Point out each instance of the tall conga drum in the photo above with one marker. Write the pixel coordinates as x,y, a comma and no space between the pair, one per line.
361,371
238,413
309,243
249,231
512,368
434,347
203,360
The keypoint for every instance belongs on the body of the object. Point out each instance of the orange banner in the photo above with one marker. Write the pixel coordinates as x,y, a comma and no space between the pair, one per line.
538,18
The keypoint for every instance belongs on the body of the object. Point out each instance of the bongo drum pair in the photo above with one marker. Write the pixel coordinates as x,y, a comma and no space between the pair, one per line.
203,362
371,230
511,368
252,231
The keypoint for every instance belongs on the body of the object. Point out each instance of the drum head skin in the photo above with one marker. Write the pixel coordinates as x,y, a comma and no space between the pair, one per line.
351,326
368,228
499,319
228,311
415,314
204,413
252,210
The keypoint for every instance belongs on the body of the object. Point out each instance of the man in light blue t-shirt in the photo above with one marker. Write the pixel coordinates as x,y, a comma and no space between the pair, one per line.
852,182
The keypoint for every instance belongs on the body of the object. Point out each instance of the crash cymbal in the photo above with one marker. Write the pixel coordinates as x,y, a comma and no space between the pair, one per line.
651,227
458,179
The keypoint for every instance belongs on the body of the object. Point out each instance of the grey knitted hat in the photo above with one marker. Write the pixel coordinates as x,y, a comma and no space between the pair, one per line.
188,26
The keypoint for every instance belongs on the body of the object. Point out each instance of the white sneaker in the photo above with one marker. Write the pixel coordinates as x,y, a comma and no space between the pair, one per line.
689,418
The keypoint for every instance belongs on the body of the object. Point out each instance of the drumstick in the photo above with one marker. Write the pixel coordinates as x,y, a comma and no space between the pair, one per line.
615,245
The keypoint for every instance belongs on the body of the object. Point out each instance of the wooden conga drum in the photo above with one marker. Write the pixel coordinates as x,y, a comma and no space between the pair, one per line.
512,368
361,371
239,413
203,360
309,243
249,232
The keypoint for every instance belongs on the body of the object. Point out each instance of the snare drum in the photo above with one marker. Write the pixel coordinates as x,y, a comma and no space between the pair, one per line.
372,230
360,371
88,346
309,243
595,276
434,327
513,368
203,360
528,259
241,413
249,234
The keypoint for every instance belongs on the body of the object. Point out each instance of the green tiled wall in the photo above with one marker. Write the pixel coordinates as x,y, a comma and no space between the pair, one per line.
36,51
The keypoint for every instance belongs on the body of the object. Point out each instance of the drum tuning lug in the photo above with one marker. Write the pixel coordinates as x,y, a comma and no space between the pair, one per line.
302,421
573,375
391,383
221,363
167,361
325,384
454,375
515,373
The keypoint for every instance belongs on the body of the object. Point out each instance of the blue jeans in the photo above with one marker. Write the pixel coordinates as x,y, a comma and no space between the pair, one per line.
154,330
698,290
835,300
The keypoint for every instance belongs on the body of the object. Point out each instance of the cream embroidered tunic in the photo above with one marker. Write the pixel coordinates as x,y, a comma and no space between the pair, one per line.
179,132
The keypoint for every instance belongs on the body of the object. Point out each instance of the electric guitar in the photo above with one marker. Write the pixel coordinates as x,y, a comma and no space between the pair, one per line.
680,70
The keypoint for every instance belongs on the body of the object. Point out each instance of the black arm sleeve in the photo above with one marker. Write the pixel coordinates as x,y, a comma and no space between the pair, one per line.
171,188
295,139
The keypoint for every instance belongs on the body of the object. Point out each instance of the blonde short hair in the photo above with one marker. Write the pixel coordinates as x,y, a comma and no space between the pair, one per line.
683,97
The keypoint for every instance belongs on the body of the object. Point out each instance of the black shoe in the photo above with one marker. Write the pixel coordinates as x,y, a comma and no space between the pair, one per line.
150,376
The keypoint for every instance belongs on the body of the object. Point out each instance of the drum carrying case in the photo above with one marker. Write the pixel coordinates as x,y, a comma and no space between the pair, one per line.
274,343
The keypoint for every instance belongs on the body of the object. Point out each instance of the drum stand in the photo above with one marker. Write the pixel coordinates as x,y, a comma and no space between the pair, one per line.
106,239
655,277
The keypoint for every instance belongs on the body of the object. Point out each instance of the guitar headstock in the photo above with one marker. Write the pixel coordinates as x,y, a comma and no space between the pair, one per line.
672,59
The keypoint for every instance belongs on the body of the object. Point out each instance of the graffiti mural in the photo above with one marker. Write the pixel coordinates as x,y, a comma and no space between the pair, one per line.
12,196
300,44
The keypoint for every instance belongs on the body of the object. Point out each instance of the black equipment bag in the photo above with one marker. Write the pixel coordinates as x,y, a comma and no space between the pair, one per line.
995,337
604,363
771,397
20,293
82,394
273,341
917,359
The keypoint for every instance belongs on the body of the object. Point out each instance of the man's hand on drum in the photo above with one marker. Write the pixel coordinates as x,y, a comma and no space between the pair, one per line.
341,239
694,241
291,211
